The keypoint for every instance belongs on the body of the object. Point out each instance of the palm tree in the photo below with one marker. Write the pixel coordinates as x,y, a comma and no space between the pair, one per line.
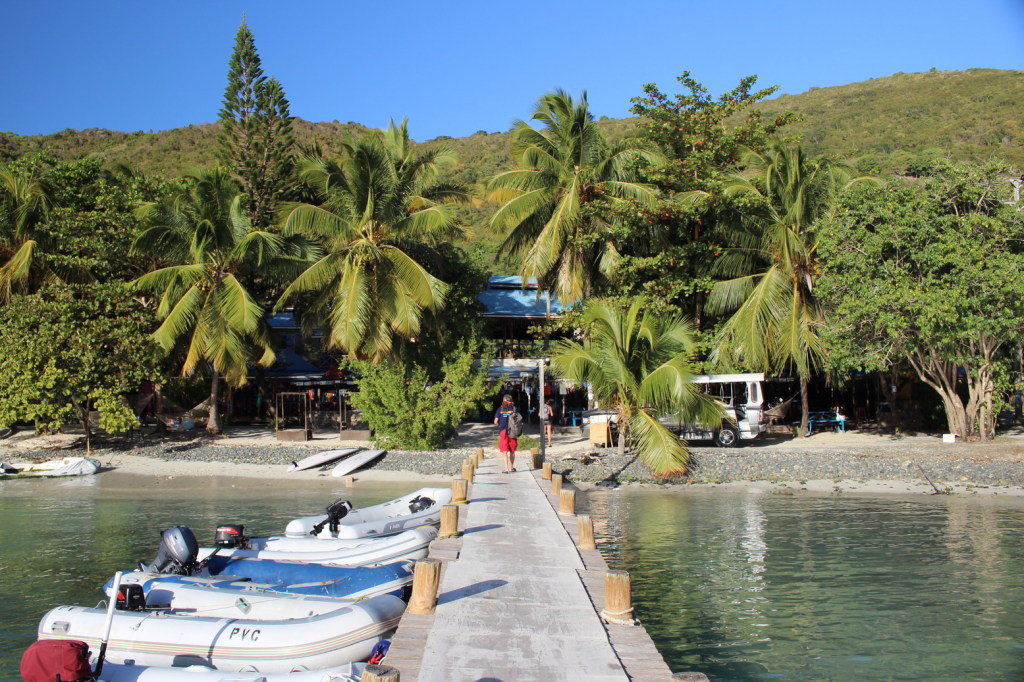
637,363
776,317
25,203
377,201
204,234
559,202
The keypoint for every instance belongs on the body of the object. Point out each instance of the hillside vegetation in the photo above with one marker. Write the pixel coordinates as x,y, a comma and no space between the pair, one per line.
887,123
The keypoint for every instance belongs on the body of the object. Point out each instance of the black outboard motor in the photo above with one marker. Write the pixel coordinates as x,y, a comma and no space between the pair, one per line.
130,597
231,536
335,513
178,552
419,503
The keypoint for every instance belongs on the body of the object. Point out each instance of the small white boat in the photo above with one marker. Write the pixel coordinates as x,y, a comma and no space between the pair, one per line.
321,458
66,466
204,598
410,545
422,507
350,464
148,638
112,672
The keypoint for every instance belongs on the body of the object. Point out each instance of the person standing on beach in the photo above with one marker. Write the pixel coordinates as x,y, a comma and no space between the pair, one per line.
547,413
506,445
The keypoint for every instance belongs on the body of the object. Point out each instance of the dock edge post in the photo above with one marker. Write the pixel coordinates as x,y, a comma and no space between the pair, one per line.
546,471
425,579
379,672
460,487
567,502
449,521
618,599
556,484
586,526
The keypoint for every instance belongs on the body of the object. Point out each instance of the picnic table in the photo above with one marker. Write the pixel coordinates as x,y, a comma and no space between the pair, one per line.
826,418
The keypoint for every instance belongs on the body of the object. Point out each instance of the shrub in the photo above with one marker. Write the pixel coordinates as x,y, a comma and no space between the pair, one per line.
407,410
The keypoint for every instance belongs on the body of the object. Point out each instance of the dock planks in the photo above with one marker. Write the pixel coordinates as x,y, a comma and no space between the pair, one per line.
517,599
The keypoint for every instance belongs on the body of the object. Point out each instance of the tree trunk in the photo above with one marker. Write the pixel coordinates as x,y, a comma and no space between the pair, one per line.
622,438
941,376
804,407
213,421
83,416
981,387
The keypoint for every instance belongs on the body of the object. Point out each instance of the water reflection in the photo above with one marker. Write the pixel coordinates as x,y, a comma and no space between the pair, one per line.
748,585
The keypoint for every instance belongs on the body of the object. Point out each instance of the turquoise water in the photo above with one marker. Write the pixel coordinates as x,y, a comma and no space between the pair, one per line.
746,586
60,540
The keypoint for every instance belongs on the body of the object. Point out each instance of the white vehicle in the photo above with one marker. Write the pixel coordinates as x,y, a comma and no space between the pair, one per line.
742,396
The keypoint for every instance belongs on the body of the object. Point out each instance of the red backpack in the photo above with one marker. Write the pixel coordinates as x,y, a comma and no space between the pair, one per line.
66,660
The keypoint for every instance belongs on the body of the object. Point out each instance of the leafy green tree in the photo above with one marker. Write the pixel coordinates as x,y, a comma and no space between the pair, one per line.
71,348
777,317
210,248
929,274
378,201
408,408
667,248
559,202
637,363
256,137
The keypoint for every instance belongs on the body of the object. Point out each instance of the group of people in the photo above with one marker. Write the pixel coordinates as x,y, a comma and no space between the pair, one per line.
507,444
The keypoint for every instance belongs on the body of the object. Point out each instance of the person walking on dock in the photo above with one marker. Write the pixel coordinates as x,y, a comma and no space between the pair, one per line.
508,433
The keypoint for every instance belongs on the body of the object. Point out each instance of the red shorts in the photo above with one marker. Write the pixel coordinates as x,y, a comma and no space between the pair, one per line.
506,444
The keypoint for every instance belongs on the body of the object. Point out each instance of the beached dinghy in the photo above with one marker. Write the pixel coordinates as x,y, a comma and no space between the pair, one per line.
409,545
422,507
66,466
321,458
158,638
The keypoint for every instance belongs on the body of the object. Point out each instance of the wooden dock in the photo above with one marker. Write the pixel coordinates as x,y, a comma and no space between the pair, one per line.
517,599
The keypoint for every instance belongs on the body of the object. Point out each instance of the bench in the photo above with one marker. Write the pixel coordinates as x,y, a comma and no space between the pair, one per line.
829,418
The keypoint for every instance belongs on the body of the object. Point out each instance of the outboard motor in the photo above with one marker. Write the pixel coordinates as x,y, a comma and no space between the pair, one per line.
130,597
419,503
231,536
335,513
178,552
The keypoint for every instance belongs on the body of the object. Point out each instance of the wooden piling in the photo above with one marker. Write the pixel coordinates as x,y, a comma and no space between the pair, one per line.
460,487
426,577
556,484
567,502
379,672
449,521
350,481
536,459
481,453
586,532
467,470
546,471
618,598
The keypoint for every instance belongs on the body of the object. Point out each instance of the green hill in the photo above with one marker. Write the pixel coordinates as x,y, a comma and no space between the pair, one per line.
884,124
891,122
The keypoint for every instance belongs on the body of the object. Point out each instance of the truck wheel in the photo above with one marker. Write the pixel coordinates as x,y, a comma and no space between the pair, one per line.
727,437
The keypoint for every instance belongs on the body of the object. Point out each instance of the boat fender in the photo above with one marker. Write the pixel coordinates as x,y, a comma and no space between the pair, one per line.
419,503
131,597
336,511
231,536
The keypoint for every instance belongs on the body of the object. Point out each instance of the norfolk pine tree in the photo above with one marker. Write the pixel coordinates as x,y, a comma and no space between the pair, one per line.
256,130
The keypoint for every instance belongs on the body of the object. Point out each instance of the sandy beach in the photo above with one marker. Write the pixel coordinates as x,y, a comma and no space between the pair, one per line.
769,464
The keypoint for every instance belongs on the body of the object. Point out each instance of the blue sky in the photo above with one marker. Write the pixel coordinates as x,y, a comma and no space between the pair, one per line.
454,68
